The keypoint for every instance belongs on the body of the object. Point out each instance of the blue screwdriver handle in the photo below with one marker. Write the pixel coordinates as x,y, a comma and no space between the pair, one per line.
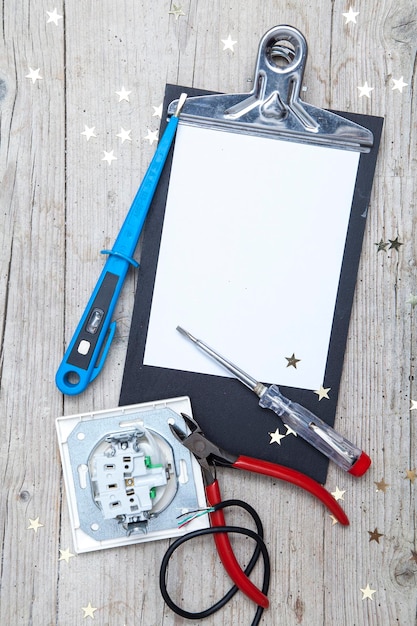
90,344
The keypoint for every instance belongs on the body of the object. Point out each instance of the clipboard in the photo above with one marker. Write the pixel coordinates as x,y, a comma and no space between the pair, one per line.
253,244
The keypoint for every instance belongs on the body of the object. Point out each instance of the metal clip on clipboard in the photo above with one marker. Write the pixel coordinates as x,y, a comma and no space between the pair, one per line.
273,107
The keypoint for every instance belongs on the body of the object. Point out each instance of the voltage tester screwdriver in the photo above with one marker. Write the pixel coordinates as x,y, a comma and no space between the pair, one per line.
301,420
90,344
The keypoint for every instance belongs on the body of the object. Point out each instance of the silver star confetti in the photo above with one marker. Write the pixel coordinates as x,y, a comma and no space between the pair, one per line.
34,75
53,17
123,94
152,136
88,611
323,393
228,44
368,592
399,84
89,132
109,156
124,135
65,555
157,111
276,437
365,90
177,11
350,16
34,524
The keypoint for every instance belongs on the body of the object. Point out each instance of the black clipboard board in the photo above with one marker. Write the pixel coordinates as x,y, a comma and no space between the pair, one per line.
228,413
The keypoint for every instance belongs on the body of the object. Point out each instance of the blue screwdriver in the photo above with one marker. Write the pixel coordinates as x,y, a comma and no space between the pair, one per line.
90,344
310,427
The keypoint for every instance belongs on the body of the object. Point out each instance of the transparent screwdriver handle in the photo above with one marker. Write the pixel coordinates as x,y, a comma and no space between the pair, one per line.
316,432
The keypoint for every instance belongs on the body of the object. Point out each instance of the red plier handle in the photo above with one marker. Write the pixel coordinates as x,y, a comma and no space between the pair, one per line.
226,553
296,478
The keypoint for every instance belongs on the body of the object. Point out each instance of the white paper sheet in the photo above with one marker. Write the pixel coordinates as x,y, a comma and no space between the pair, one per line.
250,255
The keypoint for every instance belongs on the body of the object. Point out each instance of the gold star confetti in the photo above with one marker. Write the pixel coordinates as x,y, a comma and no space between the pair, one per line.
34,524
338,494
292,361
350,16
66,555
394,244
382,245
365,90
399,84
412,300
323,393
152,136
276,437
381,485
228,44
123,94
334,520
374,535
88,611
109,156
34,75
410,475
53,17
413,406
177,11
124,135
89,132
290,431
157,111
368,592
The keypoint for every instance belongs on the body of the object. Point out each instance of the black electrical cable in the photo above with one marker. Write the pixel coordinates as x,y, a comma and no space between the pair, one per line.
259,549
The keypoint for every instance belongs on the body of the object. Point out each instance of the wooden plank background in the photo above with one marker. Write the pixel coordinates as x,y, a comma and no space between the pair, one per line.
61,204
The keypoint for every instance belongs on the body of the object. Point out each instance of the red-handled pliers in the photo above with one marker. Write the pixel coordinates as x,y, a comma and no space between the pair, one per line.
208,454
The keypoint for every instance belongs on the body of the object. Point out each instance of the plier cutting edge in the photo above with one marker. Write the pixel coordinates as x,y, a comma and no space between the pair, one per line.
209,455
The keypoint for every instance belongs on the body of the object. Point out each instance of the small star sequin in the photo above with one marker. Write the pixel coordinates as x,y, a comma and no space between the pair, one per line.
368,592
338,494
89,132
276,437
177,11
88,611
228,44
413,406
34,75
292,361
323,393
124,135
334,520
381,485
157,111
53,17
34,524
123,94
109,156
290,431
382,245
152,136
66,555
413,301
365,90
410,475
374,535
399,84
394,244
350,16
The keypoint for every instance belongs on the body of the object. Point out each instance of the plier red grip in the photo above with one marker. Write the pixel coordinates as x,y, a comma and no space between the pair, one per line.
208,454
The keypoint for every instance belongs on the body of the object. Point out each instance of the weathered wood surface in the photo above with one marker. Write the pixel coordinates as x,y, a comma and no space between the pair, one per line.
61,204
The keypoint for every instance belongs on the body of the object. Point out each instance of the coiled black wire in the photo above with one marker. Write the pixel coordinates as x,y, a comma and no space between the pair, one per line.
259,549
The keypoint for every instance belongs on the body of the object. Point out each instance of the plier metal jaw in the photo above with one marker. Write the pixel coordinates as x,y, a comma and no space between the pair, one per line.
204,450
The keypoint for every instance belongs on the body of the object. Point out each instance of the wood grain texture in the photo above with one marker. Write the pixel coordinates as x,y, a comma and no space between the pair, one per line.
61,204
